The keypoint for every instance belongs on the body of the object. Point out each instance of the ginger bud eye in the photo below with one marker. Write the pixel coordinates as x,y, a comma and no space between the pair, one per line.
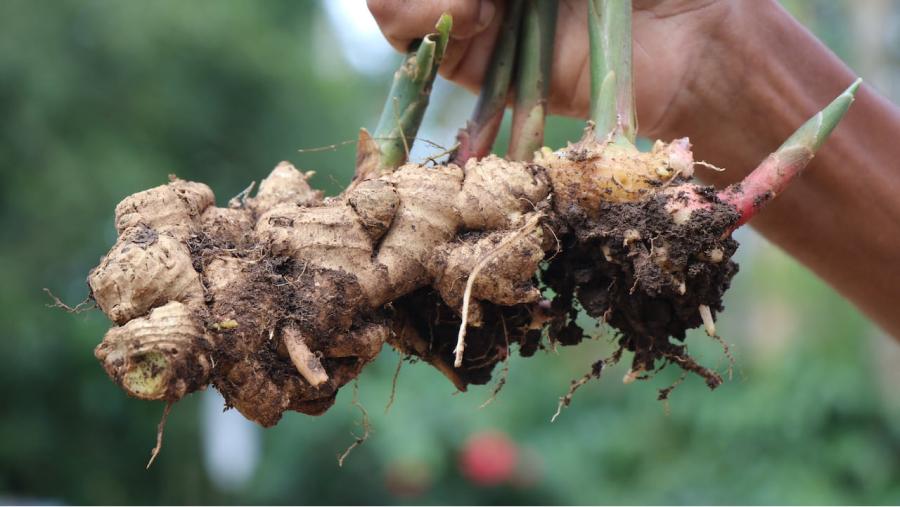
146,376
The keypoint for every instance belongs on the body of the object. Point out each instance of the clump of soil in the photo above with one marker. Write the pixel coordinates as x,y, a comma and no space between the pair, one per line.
631,267
430,328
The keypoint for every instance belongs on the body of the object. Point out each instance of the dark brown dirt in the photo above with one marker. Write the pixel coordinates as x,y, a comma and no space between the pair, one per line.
614,266
252,368
762,200
431,329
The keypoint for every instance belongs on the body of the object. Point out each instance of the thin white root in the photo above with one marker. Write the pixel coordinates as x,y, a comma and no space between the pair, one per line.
664,393
708,323
239,200
159,434
85,305
396,376
564,401
727,351
358,440
709,166
467,295
305,360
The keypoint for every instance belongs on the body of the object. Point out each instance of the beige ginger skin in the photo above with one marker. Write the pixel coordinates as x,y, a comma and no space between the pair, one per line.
280,299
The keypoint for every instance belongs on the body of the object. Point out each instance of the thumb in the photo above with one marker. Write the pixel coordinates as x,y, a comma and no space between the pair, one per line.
402,21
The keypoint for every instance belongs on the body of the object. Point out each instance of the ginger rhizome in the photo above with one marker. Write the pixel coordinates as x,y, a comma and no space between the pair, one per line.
280,299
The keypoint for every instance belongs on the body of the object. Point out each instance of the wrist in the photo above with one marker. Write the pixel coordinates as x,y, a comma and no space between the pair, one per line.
760,76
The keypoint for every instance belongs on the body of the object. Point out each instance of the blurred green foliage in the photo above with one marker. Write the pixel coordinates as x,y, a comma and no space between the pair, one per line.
103,98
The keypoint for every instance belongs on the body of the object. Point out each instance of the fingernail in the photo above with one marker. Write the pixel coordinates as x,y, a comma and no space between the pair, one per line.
486,13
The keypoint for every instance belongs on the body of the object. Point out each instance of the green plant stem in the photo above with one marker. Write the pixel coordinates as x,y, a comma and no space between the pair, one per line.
408,98
477,139
533,71
612,86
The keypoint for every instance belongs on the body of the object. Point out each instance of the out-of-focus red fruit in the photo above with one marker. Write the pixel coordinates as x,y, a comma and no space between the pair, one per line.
489,458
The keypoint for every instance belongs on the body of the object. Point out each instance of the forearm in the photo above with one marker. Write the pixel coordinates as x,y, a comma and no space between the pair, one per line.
842,217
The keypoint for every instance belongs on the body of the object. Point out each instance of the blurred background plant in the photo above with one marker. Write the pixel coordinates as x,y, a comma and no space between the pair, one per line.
103,98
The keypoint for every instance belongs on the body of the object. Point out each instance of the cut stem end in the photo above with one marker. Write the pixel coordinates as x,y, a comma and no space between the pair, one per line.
406,103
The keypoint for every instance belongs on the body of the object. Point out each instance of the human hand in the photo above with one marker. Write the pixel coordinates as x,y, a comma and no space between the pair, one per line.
676,44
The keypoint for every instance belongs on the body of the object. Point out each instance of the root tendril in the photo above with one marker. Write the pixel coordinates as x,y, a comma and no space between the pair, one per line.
83,306
467,295
365,424
159,434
